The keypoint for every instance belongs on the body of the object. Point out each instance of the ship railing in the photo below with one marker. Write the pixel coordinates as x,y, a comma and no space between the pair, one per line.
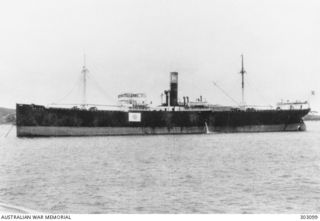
259,107
293,105
92,107
269,107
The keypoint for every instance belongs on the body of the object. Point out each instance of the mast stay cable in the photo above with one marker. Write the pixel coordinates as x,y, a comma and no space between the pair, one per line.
76,85
225,93
92,78
249,83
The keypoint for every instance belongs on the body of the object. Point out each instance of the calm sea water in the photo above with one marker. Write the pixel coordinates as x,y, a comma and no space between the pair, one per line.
215,173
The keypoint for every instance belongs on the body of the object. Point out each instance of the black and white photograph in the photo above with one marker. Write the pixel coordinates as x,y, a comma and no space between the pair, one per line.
159,107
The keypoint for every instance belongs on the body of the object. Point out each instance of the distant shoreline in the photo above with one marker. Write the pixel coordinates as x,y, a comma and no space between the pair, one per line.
313,116
7,116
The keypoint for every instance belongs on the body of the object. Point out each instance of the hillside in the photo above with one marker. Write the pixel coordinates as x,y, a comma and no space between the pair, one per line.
7,115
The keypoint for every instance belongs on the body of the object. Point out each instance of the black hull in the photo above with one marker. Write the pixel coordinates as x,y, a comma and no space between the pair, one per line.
35,121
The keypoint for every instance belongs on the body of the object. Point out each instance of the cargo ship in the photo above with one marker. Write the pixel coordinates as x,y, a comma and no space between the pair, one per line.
134,116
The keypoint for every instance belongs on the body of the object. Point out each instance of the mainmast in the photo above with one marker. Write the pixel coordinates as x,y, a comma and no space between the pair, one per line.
84,79
242,72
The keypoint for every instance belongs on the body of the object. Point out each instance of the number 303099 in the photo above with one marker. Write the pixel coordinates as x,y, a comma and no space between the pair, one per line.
309,217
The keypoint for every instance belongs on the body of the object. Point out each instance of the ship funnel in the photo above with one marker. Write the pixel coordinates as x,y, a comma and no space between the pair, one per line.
174,89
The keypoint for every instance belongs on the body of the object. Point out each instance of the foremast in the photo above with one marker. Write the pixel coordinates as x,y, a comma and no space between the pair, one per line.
84,73
242,72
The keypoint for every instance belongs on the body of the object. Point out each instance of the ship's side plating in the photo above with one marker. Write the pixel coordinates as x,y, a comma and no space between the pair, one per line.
34,120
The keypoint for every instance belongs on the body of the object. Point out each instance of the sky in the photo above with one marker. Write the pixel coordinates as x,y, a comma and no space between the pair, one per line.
133,45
